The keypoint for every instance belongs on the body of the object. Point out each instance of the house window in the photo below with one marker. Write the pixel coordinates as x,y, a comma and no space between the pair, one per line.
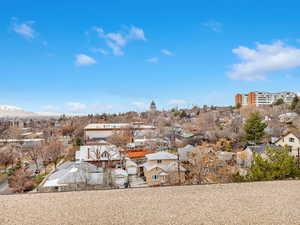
158,161
292,139
155,177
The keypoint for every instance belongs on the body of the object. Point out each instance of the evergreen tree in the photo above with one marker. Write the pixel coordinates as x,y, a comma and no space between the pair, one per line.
279,102
278,165
78,141
254,128
294,103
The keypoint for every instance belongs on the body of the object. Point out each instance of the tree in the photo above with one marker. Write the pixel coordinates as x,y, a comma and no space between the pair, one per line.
34,153
78,141
121,138
97,155
294,103
279,102
238,105
9,155
21,180
55,151
12,132
277,165
254,128
45,157
206,167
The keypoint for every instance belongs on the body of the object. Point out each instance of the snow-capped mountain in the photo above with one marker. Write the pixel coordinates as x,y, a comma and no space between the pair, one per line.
13,111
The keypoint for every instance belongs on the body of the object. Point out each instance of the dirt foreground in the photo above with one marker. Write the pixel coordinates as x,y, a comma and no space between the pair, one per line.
248,203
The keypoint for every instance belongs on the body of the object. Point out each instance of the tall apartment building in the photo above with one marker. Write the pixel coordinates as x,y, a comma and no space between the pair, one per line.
263,98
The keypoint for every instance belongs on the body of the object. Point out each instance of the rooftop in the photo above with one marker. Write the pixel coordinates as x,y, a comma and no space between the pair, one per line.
240,203
116,126
161,156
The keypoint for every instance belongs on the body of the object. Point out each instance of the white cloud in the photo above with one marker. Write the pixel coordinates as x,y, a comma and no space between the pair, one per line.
178,102
257,63
139,105
24,29
213,25
75,107
166,52
137,34
84,60
118,40
152,60
50,108
99,50
116,49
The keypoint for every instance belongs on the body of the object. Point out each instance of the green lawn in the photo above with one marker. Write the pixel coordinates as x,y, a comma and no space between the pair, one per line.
39,178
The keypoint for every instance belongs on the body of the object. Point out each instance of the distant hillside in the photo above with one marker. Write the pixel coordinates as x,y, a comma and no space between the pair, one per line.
7,111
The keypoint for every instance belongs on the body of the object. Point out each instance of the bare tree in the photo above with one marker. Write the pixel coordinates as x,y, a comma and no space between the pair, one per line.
9,155
55,151
97,155
12,132
21,180
206,167
71,152
34,153
45,157
121,138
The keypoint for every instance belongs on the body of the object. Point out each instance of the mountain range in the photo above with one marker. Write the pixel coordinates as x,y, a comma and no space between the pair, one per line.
7,111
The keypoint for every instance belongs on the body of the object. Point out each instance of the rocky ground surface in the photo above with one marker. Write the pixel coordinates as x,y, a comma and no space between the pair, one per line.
247,203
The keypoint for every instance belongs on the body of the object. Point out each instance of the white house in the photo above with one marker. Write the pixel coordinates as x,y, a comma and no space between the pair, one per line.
131,167
291,140
100,131
103,130
287,117
162,168
75,173
100,155
185,152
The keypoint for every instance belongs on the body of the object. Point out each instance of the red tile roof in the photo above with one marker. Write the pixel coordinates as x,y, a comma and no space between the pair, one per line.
134,154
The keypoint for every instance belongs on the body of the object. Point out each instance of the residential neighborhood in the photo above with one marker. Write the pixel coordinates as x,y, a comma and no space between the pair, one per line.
149,112
154,148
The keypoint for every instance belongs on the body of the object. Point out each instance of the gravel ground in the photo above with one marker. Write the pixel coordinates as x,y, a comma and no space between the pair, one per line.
248,203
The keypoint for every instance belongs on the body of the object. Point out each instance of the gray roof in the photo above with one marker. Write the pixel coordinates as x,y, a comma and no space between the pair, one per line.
257,148
161,156
166,167
74,172
183,152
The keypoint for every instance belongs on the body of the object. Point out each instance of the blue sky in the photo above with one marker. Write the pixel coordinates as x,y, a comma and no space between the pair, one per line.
112,56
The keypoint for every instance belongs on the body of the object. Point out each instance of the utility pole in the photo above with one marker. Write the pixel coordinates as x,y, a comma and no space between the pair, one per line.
178,166
178,159
298,158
